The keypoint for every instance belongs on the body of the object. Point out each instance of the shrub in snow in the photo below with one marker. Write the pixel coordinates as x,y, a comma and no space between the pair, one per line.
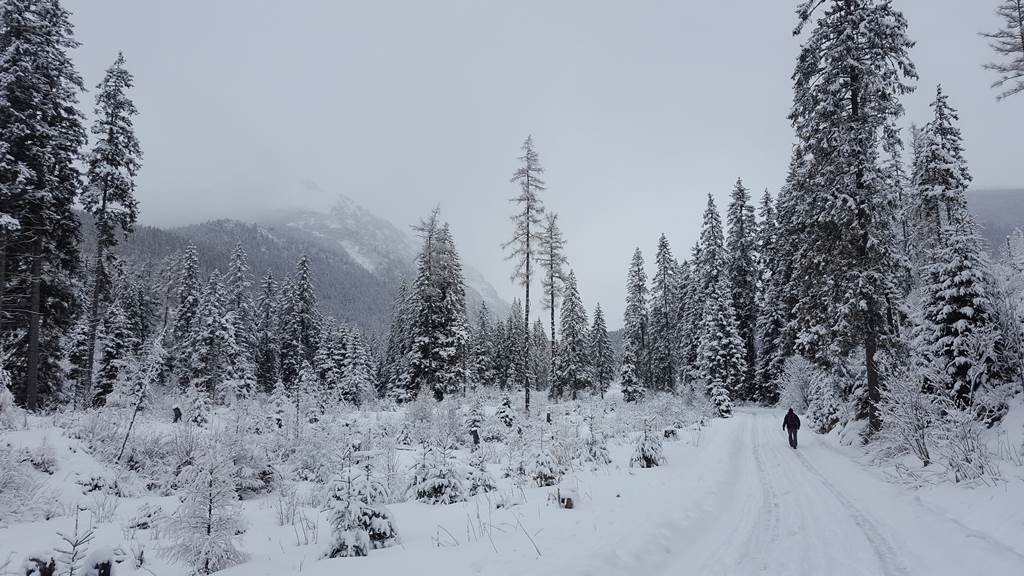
961,445
203,531
909,417
435,479
20,488
100,562
648,453
478,479
543,469
795,382
358,524
43,457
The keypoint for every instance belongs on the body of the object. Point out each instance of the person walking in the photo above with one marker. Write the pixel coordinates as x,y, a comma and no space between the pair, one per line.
791,423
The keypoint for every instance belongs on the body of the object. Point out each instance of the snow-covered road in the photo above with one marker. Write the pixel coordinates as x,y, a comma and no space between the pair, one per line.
814,511
737,501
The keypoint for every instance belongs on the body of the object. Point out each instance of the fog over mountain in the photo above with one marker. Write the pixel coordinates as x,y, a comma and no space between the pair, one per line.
358,259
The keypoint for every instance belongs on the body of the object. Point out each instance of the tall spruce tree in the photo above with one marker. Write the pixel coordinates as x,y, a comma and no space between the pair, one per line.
572,372
266,326
941,178
741,249
394,372
663,319
116,345
109,196
722,363
771,319
1008,44
551,257
239,305
212,351
602,355
635,351
482,349
189,288
439,329
300,326
853,67
958,310
523,245
41,134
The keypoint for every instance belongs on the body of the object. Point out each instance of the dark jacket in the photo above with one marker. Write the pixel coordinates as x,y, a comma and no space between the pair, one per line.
792,421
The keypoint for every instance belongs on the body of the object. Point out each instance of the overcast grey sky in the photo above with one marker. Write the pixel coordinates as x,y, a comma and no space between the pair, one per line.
638,109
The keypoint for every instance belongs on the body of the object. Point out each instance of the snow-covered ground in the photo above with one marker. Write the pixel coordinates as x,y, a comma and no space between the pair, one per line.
731,499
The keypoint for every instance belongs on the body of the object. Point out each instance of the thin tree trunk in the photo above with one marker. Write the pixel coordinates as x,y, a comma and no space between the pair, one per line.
34,327
551,369
94,310
526,323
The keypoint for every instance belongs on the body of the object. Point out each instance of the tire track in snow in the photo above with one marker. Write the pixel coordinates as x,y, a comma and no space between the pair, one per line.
887,556
766,530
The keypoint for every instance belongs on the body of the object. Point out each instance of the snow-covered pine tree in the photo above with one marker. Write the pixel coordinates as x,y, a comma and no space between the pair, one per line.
648,452
439,328
853,67
506,414
482,349
197,403
774,333
741,260
328,365
686,316
513,347
203,531
479,480
109,196
266,337
709,262
41,133
572,367
300,325
212,352
541,374
551,257
116,344
722,364
939,194
394,371
523,245
239,304
1008,43
663,332
957,306
771,317
635,350
435,478
602,355
359,523
357,369
189,292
